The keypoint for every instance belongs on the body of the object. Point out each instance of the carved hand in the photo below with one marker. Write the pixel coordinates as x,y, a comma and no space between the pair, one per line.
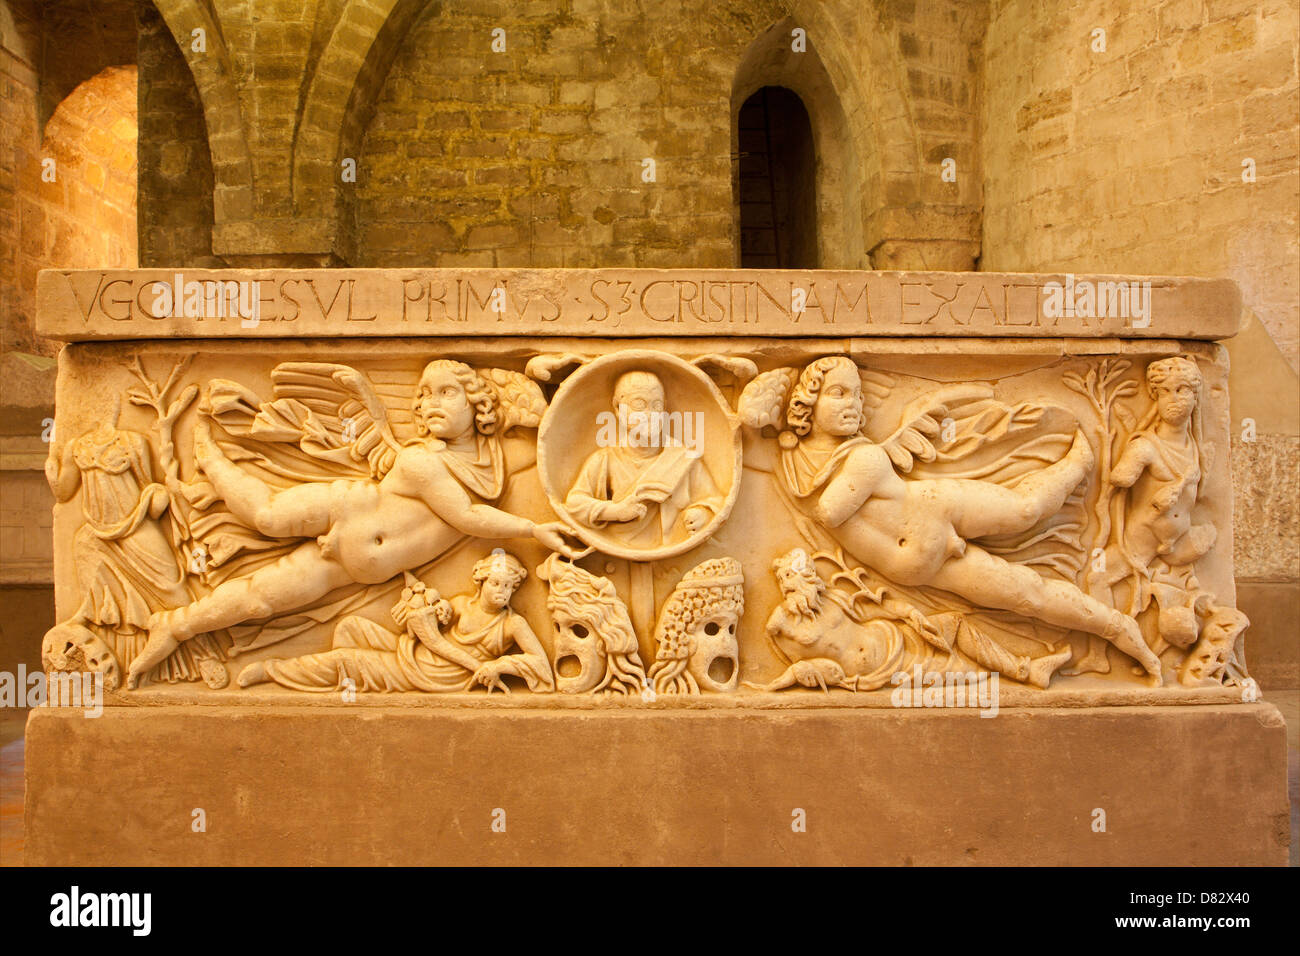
489,675
695,518
158,500
555,535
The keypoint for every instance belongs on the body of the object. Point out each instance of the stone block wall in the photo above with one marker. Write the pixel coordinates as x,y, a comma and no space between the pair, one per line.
465,154
69,97
535,155
1131,158
20,60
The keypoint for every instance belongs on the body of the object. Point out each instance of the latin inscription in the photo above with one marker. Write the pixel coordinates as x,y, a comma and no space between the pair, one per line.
123,304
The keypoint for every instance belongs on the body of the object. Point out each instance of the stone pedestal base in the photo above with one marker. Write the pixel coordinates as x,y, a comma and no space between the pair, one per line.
1198,785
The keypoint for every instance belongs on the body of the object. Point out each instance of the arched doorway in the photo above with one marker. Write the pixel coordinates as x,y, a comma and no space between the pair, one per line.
777,186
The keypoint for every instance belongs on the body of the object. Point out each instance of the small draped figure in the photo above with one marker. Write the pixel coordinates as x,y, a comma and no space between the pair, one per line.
125,564
644,486
127,567
445,645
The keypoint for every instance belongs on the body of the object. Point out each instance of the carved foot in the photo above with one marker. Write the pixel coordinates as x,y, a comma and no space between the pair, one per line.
1081,453
1124,633
254,673
1154,670
1041,669
1154,678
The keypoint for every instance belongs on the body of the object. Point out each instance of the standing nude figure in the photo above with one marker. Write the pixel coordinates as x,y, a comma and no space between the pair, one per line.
359,531
1156,544
919,532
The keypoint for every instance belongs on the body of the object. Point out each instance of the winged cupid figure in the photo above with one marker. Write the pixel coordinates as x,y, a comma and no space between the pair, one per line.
408,504
920,531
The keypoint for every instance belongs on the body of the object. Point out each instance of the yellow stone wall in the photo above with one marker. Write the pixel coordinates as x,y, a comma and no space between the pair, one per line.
1130,159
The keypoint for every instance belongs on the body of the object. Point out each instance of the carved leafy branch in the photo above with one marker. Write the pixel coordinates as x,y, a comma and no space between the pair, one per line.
1104,386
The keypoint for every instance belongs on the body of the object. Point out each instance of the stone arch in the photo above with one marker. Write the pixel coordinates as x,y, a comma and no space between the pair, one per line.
771,61
868,152
232,164
85,216
78,39
339,100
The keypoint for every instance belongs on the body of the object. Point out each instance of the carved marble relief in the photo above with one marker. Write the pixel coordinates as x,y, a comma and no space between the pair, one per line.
595,643
440,645
695,640
317,494
646,522
128,550
1148,525
649,487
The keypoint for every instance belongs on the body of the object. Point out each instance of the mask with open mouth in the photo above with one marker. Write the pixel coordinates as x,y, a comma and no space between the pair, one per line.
579,658
697,648
595,645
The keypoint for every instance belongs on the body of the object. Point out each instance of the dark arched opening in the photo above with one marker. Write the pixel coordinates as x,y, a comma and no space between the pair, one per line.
777,182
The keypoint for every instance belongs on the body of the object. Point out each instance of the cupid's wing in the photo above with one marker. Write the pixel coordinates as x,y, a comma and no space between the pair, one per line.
328,409
520,402
763,401
876,387
923,420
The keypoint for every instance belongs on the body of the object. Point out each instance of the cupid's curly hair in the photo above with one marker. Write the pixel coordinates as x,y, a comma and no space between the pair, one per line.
513,565
804,394
479,393
686,606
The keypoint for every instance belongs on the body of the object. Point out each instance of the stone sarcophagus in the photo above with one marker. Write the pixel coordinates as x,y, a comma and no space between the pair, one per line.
718,486
643,491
